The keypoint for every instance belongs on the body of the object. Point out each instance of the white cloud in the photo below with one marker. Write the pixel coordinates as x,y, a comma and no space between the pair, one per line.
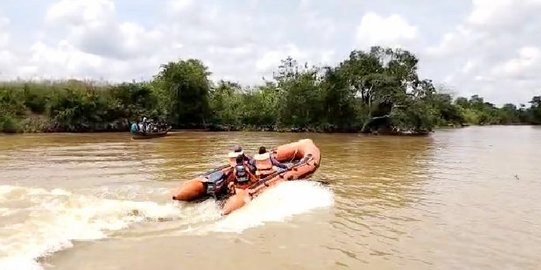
526,66
459,40
491,52
496,14
76,13
486,47
469,66
393,31
271,59
179,6
245,44
90,41
4,35
94,28
7,61
7,57
62,59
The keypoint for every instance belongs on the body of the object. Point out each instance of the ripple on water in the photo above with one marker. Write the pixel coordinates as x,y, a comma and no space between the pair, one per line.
448,201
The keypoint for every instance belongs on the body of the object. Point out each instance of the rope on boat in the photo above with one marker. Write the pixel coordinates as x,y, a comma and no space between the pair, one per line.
271,176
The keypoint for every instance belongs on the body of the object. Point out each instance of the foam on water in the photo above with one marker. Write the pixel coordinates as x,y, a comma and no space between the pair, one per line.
49,220
52,219
274,205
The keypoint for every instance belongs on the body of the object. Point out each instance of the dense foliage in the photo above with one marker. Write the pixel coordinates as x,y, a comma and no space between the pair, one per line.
378,90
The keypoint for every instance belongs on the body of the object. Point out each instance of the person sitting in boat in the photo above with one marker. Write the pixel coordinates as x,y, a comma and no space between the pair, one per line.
266,164
149,126
143,125
242,177
134,128
237,151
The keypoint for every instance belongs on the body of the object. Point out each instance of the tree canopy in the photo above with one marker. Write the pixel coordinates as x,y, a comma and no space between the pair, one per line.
378,90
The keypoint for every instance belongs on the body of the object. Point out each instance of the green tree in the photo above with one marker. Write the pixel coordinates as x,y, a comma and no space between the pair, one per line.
338,102
299,89
386,80
184,86
447,113
135,100
226,104
535,110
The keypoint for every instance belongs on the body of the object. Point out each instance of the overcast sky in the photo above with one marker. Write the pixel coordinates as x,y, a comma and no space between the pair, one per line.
488,47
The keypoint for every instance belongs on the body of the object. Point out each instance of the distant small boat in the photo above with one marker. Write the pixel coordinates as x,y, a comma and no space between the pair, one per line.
149,135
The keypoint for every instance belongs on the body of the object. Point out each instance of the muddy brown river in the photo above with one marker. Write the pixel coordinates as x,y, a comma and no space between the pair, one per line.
459,199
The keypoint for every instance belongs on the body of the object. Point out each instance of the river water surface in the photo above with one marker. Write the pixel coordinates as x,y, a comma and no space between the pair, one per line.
459,199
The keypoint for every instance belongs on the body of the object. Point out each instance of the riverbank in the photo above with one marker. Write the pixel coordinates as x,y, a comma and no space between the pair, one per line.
42,125
248,129
124,127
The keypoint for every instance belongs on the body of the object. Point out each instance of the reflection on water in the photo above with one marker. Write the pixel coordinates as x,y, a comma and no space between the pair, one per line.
459,199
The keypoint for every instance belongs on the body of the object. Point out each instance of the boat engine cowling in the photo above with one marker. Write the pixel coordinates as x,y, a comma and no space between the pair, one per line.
214,183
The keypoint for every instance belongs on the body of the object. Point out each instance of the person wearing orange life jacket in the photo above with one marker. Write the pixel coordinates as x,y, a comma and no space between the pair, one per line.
266,164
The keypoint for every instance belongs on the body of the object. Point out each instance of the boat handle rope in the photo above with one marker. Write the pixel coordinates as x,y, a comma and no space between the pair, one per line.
295,154
271,176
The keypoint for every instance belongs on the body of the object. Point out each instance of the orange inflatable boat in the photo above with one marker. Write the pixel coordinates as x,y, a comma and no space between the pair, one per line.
302,158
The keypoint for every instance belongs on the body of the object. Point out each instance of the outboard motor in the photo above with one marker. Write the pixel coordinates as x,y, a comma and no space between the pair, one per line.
214,183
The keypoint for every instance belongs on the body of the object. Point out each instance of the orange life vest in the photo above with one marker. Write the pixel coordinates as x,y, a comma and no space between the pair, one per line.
263,164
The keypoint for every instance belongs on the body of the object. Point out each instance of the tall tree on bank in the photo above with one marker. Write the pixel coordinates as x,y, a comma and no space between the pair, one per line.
184,88
535,110
299,95
392,95
226,104
338,102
